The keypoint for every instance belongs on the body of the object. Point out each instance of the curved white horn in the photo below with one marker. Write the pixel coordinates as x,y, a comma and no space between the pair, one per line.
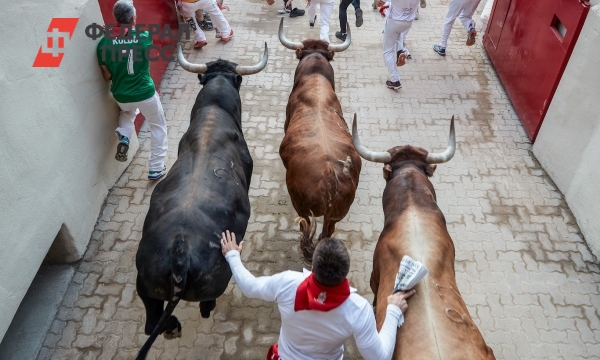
343,46
381,157
438,158
195,68
285,42
253,69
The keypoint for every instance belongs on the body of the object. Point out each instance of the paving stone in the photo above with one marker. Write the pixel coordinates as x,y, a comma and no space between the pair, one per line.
528,278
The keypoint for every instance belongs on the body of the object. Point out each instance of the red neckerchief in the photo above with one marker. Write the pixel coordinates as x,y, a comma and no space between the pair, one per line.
311,295
273,353
382,10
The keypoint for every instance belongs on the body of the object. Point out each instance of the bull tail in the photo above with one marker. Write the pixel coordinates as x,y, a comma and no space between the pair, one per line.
307,230
180,262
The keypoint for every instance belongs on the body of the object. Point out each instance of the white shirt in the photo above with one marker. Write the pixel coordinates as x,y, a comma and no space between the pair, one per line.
319,335
403,9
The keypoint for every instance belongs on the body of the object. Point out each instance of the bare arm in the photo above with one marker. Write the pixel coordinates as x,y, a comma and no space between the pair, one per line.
105,73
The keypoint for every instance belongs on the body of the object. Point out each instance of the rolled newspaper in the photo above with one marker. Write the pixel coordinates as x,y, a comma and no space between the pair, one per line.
410,273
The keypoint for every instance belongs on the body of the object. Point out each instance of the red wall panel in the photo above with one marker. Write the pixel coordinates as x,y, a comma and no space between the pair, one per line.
529,53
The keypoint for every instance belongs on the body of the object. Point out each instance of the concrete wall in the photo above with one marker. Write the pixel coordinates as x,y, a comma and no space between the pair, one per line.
57,144
568,144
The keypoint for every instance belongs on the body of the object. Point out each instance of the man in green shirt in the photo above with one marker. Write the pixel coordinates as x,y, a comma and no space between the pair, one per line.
123,59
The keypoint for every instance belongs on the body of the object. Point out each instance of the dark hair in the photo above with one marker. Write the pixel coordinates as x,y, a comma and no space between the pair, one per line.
330,262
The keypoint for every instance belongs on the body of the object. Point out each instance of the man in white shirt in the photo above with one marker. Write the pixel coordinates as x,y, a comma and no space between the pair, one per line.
319,310
398,19
463,10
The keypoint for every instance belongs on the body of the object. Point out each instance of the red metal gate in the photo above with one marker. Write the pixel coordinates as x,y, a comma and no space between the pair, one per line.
529,43
159,12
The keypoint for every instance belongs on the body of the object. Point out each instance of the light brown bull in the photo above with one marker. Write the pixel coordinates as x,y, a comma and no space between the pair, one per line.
322,165
438,325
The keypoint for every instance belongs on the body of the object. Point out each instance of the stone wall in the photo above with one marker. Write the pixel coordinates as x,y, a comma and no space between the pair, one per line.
568,144
56,146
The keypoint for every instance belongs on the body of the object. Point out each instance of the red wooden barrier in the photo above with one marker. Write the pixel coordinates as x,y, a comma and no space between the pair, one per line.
529,43
159,12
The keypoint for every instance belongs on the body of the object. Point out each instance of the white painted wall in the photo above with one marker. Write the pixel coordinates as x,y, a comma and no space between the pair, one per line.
568,144
57,143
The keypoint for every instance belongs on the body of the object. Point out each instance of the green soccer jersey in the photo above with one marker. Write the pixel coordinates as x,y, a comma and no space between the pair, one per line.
130,70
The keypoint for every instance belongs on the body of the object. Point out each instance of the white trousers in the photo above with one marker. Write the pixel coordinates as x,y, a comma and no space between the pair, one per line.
153,112
216,16
326,10
463,10
401,40
393,40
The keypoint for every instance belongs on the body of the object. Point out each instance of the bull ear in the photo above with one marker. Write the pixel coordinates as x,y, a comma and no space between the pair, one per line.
387,172
330,55
238,81
202,79
430,169
299,54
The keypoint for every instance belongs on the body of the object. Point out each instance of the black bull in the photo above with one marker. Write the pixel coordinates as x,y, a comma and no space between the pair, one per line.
204,193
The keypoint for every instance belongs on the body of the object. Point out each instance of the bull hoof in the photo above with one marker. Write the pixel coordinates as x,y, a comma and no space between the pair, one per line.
173,335
206,307
172,328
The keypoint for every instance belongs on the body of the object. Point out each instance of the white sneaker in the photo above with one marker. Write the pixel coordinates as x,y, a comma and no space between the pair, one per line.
157,174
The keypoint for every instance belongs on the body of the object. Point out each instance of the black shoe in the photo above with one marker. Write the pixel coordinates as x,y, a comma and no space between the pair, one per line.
339,35
312,24
359,18
122,149
296,12
206,25
393,85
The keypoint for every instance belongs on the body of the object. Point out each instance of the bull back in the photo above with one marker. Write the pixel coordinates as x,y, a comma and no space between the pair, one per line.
438,325
322,165
204,193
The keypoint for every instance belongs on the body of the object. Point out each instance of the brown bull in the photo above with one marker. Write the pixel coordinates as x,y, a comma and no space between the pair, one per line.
322,165
438,325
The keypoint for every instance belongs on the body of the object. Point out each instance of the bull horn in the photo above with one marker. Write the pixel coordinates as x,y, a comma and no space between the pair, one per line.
253,69
438,158
195,68
285,42
343,46
381,157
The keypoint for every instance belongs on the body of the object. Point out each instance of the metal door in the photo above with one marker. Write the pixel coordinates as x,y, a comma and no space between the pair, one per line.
529,43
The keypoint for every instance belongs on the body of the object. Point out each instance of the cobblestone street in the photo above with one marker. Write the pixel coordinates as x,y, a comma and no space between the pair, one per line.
525,272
